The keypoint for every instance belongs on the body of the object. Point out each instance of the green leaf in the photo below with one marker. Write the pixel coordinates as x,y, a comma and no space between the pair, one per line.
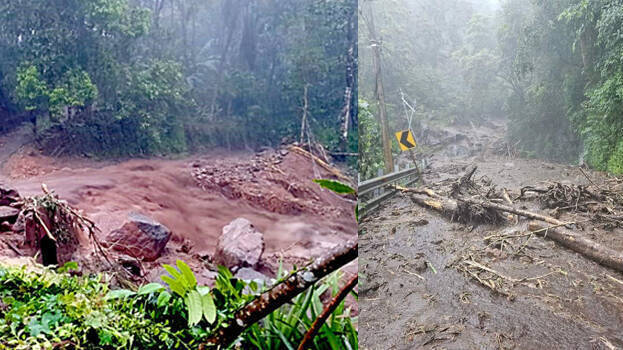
175,286
163,298
118,294
335,186
149,288
172,271
194,305
187,274
209,309
37,327
203,290
70,265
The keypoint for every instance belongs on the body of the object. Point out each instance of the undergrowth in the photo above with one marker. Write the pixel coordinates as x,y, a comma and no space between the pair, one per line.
41,308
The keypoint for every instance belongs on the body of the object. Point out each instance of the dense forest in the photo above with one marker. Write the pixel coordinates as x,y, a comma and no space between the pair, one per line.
140,77
554,69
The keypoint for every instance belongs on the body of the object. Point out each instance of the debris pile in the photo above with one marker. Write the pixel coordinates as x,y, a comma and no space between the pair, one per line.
254,182
49,227
468,202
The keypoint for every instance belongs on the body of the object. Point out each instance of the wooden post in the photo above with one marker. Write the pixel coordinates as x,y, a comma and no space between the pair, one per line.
417,168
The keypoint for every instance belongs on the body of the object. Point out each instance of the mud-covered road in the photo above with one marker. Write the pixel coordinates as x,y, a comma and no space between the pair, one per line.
416,292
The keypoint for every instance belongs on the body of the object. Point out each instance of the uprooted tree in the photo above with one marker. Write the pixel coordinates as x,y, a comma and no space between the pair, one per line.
470,202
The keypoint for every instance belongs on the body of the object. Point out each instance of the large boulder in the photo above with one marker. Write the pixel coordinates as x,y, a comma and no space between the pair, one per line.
240,245
140,237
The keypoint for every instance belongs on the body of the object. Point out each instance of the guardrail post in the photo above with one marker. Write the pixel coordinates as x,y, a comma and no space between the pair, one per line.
379,192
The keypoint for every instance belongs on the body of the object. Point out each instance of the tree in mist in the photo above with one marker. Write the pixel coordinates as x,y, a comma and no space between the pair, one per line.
442,54
158,76
376,45
562,59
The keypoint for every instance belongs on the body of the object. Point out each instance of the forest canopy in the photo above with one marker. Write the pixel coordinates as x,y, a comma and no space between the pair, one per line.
131,77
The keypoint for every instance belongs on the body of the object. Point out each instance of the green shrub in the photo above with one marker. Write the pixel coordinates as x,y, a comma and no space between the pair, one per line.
42,309
615,163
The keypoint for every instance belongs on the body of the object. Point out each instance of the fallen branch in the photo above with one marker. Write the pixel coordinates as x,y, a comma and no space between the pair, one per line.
457,208
321,162
423,190
512,210
328,310
282,293
578,243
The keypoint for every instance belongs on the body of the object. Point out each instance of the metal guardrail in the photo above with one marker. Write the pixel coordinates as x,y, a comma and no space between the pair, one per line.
370,186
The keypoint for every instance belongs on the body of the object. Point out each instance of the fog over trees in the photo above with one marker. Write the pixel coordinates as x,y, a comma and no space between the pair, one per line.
119,77
551,68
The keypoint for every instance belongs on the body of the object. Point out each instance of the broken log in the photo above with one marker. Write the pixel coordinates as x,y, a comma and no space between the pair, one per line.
513,210
578,243
423,190
458,207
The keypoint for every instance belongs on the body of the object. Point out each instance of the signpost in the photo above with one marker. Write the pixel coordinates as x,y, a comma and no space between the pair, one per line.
405,140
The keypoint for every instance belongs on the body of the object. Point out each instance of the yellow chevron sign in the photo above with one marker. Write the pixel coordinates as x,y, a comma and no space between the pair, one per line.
405,140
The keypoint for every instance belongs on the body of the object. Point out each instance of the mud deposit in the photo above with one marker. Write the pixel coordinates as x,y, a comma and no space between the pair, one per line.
167,191
416,292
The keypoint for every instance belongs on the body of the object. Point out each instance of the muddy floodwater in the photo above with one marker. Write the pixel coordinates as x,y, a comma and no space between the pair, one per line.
196,197
416,292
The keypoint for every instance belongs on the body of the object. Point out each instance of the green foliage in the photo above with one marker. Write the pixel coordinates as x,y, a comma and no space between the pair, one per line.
73,89
42,307
284,328
142,80
615,163
31,91
569,82
154,99
199,302
370,146
335,186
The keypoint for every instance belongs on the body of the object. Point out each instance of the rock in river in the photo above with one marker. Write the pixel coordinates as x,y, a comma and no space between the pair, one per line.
240,245
140,237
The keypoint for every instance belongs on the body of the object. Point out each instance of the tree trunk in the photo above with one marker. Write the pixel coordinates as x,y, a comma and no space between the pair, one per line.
346,114
578,243
304,119
231,9
380,92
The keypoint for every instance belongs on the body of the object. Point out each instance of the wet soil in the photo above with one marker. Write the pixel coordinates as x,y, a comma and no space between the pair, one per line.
418,290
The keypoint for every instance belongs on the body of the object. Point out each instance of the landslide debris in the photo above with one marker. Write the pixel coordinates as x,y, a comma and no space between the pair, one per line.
254,182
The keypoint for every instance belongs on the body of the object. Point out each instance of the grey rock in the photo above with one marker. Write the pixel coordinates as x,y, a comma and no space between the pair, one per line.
240,245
